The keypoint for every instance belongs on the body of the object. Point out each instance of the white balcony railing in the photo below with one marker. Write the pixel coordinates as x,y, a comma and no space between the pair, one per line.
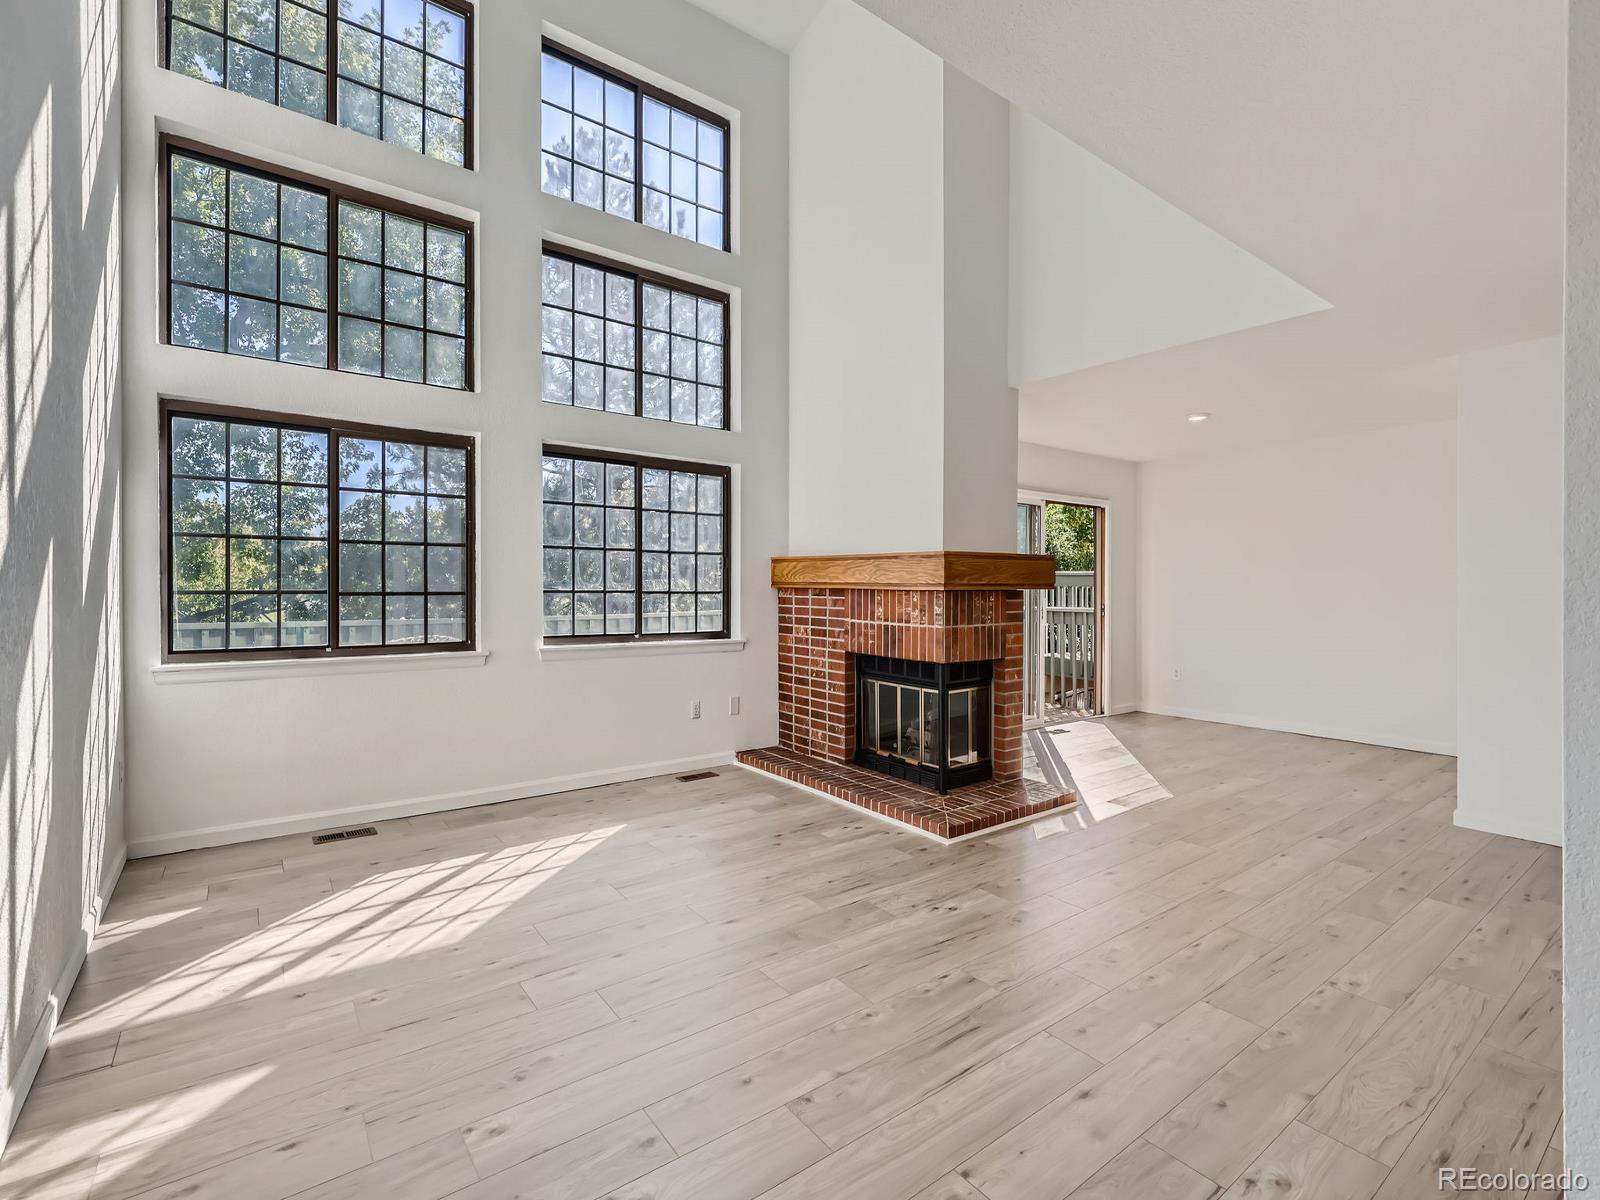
1070,624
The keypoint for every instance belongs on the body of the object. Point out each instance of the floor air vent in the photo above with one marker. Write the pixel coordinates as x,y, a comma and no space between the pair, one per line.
697,775
343,835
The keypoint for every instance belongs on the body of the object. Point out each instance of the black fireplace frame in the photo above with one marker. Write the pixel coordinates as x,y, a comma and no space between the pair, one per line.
941,677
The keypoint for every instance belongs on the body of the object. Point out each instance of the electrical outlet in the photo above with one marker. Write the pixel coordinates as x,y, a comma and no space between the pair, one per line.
694,711
733,706
1176,674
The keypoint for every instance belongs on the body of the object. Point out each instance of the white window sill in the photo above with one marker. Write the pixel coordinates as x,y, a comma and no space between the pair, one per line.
556,651
289,668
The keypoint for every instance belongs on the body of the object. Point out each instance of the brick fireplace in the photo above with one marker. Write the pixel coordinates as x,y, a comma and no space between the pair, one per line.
937,608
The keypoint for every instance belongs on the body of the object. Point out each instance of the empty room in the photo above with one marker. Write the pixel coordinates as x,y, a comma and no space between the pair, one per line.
787,599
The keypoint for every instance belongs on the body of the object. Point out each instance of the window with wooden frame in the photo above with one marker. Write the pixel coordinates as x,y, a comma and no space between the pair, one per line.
399,70
258,262
292,537
631,341
616,143
634,548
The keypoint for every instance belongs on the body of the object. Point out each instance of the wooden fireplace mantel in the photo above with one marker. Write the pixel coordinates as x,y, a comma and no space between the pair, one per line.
934,570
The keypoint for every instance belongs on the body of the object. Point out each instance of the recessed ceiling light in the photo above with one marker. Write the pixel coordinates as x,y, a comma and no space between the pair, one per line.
1198,417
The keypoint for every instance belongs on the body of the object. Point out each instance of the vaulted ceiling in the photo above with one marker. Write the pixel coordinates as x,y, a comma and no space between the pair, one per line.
1401,161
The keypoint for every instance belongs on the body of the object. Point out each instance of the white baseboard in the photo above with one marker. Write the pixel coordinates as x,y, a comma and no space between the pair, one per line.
1366,737
1528,831
251,831
1121,710
21,1081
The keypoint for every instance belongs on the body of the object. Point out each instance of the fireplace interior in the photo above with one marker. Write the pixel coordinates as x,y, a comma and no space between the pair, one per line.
927,723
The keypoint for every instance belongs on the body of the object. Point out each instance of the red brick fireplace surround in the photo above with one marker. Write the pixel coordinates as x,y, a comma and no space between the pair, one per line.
943,607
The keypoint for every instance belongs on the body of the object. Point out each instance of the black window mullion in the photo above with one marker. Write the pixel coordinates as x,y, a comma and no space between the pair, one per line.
383,532
335,209
277,51
331,78
335,454
277,549
227,537
227,247
638,155
638,551
638,346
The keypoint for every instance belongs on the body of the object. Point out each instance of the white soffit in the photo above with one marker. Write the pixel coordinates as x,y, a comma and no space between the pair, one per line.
1103,269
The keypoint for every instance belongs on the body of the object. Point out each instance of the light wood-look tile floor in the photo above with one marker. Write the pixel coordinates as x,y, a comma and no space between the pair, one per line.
1293,979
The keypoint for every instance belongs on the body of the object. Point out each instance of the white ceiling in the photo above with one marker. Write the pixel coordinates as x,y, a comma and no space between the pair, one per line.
777,22
1401,160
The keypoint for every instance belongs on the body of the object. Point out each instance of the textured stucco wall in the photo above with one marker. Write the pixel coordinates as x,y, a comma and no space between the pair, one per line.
1581,885
60,508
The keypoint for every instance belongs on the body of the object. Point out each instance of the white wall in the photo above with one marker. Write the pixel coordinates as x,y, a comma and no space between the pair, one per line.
1581,648
867,268
239,756
1103,269
980,409
1306,587
1116,482
1509,437
61,839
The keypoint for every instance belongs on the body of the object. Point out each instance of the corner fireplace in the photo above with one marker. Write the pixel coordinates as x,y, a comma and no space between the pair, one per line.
927,723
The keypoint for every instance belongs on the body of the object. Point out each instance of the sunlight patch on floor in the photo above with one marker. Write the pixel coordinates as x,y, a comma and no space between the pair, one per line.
1109,779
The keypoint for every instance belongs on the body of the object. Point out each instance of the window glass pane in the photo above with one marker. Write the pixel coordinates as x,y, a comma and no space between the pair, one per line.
198,53
587,133
402,75
273,50
390,315
225,289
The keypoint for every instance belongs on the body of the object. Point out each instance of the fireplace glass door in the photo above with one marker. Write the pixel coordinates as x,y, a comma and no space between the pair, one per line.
902,721
927,723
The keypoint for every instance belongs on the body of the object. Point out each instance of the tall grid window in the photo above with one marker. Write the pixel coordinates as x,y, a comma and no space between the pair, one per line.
399,70
402,74
269,519
250,271
621,145
629,341
633,547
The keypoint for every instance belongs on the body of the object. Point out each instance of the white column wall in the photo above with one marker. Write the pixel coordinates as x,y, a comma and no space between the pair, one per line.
866,451
238,757
980,409
903,427
1509,435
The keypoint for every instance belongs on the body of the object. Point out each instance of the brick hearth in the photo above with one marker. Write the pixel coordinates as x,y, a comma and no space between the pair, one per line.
955,814
822,628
